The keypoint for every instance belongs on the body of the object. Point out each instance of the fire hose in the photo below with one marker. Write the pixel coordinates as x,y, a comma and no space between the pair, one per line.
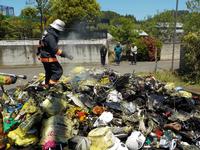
7,79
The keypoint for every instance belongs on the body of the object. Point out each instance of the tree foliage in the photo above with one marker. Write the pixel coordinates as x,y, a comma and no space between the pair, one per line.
2,26
30,22
74,10
18,28
29,12
147,47
110,15
161,25
123,29
193,5
191,56
24,26
193,23
42,6
11,28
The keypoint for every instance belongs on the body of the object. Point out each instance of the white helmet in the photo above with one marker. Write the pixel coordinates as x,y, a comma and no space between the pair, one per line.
58,25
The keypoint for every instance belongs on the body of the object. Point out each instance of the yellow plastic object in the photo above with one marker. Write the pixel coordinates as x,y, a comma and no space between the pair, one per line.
21,139
54,106
104,80
90,82
170,87
65,79
15,134
8,146
184,94
29,107
78,70
41,76
27,140
101,138
58,128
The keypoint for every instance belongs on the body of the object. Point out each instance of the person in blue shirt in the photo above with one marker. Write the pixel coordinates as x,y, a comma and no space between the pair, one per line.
118,51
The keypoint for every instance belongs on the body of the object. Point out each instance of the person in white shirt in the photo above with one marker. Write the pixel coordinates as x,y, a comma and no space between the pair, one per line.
133,54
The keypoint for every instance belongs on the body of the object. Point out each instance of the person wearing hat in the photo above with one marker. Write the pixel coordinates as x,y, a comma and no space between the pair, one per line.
48,50
118,51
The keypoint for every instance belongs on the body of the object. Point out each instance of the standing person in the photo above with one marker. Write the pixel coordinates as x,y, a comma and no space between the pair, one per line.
133,54
103,52
48,50
128,51
118,51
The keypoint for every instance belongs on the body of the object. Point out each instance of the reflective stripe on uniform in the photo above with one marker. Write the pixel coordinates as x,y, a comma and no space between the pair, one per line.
53,81
59,52
48,60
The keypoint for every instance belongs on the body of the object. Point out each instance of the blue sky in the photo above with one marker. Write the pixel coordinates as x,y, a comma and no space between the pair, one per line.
139,8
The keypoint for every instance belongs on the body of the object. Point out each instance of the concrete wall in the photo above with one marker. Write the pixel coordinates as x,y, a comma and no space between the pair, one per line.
166,51
24,52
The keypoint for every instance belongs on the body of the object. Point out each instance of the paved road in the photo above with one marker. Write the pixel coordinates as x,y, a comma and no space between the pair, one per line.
124,67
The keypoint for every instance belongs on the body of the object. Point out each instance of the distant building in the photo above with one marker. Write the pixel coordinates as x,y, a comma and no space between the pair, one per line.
167,30
7,10
141,33
164,26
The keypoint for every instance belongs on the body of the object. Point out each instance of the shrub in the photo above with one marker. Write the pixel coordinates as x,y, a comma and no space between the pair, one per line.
191,46
147,48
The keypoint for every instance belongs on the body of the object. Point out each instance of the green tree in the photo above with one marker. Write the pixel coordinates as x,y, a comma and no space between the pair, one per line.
12,28
131,17
30,22
150,27
192,24
193,5
191,58
43,8
29,13
24,26
123,29
74,10
161,25
2,27
109,15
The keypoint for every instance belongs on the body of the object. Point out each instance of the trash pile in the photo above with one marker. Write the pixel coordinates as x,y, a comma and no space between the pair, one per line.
95,109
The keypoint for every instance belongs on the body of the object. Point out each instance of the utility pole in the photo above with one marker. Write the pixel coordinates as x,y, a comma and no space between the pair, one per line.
174,38
156,59
41,7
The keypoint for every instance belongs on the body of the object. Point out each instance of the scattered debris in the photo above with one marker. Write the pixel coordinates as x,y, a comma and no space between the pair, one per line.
93,109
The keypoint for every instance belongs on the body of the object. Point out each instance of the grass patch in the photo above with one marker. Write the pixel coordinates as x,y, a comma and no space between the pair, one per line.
168,76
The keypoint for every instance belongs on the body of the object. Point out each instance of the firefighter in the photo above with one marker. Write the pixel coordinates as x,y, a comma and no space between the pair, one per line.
48,49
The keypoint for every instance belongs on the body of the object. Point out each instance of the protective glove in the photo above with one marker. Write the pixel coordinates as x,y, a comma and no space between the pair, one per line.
65,55
70,57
